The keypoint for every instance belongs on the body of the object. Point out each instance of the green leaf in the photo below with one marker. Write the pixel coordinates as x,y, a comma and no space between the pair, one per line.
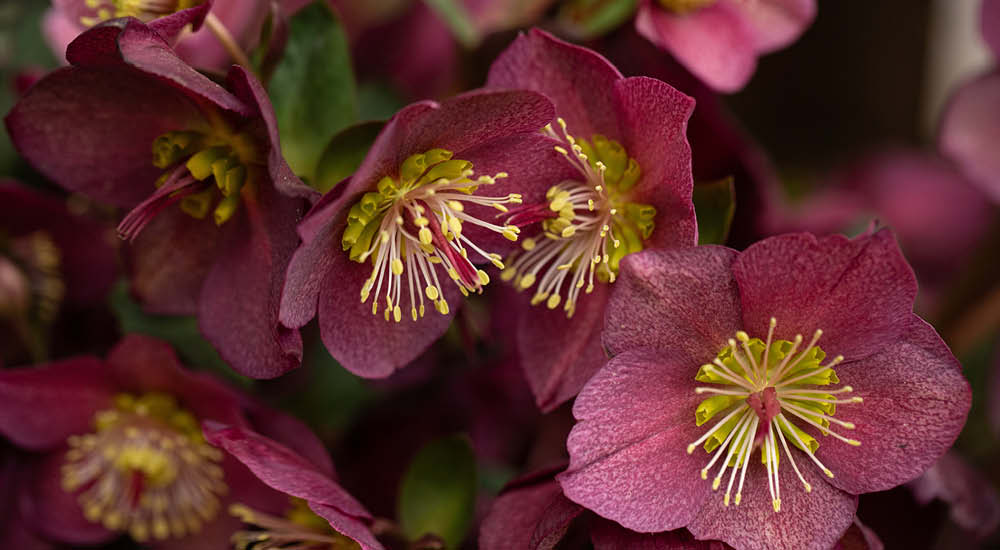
588,19
313,88
344,154
181,332
453,14
439,491
714,205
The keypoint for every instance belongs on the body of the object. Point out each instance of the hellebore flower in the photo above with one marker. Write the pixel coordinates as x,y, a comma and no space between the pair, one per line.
116,447
322,514
406,231
533,513
719,40
240,20
708,353
973,502
628,188
51,260
213,203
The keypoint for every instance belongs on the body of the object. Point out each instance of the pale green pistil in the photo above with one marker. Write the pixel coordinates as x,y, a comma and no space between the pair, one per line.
759,387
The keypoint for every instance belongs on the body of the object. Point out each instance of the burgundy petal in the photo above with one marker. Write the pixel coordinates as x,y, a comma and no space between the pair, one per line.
169,261
559,355
115,114
243,19
990,24
608,535
53,512
915,403
292,433
653,117
347,525
68,391
141,364
534,516
238,309
716,43
682,299
807,521
628,459
122,43
576,79
367,344
282,469
246,87
970,129
808,283
308,268
171,26
859,537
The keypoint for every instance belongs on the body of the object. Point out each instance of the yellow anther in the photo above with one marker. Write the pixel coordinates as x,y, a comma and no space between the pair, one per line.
397,266
527,280
738,499
742,336
510,232
453,274
777,504
553,301
528,244
425,235
715,483
725,500
484,279
397,314
432,293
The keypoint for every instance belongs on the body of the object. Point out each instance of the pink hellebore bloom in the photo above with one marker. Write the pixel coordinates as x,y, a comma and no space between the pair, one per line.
717,354
970,127
114,446
719,40
199,47
404,235
213,203
323,514
627,187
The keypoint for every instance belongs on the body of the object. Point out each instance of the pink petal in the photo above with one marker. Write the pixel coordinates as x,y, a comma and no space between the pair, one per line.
970,130
990,24
533,516
683,299
808,283
777,23
915,403
628,459
608,535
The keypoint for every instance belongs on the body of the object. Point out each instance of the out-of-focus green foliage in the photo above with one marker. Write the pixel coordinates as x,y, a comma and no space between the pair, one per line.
439,491
454,15
714,205
344,154
313,88
586,19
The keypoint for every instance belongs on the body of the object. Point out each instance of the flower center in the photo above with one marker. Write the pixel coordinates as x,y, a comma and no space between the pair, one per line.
192,160
144,10
31,284
146,469
413,223
301,529
588,226
758,385
682,7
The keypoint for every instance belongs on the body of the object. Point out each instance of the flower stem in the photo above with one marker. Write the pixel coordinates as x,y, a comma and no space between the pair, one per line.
224,37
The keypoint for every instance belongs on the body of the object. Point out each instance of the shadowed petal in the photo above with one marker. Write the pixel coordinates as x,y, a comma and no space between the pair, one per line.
282,469
777,23
533,516
69,391
238,309
171,26
54,513
810,283
973,501
681,299
608,535
859,537
990,24
559,355
347,525
915,403
628,459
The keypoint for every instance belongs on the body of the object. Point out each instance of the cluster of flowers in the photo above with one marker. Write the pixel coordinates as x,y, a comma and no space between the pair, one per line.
561,181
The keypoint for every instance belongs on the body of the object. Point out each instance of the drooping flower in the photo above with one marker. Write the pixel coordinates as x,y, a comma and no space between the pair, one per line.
628,188
213,203
115,447
240,20
719,40
752,395
321,516
52,262
407,232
